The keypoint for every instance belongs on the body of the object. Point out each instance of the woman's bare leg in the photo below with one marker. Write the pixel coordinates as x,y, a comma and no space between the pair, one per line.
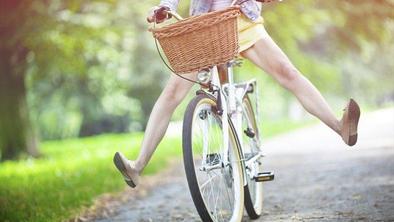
269,57
173,94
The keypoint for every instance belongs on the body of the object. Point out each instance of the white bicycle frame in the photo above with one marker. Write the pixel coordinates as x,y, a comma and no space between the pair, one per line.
232,99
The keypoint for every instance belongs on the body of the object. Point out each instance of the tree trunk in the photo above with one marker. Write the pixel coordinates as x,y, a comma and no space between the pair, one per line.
16,132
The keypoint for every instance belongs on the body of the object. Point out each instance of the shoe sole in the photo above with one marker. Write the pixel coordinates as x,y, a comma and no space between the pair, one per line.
122,169
354,117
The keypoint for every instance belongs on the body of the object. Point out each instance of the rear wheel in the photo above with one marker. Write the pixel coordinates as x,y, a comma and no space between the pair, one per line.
251,148
213,169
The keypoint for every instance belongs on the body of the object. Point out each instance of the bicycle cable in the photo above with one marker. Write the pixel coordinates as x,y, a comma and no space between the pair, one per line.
168,66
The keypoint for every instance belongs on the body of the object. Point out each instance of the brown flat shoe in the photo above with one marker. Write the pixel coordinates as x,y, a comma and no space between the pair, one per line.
350,122
125,167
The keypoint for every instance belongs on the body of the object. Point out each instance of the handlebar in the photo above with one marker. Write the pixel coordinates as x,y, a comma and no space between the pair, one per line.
164,13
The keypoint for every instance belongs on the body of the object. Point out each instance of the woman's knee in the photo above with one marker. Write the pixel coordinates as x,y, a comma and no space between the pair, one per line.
268,56
174,93
286,74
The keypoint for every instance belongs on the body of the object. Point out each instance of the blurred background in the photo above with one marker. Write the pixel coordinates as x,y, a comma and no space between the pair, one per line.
72,70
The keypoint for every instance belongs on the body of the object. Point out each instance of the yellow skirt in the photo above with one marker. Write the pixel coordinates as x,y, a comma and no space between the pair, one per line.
249,32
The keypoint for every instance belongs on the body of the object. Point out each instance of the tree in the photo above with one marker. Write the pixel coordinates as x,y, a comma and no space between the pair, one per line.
52,44
16,132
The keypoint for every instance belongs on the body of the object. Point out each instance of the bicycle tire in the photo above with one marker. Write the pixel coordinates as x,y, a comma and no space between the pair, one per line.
201,202
253,190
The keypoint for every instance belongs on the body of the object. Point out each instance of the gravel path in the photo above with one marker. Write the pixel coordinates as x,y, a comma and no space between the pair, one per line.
317,178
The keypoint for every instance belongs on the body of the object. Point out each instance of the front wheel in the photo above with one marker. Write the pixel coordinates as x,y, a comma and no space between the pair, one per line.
213,169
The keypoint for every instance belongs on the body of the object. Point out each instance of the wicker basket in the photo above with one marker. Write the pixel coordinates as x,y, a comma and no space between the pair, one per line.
200,42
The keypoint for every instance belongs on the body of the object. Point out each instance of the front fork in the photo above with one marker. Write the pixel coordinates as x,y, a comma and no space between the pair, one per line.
235,114
234,109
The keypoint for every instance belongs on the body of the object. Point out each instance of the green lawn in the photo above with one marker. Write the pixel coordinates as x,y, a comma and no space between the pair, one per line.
73,172
70,175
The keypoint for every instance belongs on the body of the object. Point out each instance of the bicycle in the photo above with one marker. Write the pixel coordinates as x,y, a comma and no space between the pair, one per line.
222,145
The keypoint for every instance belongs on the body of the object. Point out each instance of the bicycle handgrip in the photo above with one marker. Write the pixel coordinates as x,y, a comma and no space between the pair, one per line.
162,13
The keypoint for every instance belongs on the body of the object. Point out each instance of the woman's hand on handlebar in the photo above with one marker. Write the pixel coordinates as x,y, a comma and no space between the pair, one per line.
158,14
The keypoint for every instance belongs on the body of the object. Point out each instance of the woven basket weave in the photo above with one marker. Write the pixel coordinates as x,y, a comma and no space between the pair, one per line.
200,42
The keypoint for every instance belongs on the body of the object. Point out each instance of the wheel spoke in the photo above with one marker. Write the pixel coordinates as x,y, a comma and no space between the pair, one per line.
206,182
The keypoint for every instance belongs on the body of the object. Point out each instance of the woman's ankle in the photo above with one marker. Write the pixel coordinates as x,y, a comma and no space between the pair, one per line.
138,167
336,126
339,127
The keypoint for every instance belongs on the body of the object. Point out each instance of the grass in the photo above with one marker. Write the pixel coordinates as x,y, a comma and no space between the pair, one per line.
75,171
70,175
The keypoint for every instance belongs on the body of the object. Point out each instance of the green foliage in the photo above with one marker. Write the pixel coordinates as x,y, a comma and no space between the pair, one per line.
84,86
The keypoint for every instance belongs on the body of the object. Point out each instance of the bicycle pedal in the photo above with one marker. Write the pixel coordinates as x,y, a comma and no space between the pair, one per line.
264,177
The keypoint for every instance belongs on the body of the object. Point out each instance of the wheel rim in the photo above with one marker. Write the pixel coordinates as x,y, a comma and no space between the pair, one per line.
217,181
250,147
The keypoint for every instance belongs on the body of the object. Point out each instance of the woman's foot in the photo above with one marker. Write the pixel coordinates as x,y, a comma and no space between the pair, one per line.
127,168
349,123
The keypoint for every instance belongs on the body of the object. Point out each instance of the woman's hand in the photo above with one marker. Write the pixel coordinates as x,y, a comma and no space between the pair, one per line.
158,14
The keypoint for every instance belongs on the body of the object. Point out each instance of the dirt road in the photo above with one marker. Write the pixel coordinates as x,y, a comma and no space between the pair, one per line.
317,178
